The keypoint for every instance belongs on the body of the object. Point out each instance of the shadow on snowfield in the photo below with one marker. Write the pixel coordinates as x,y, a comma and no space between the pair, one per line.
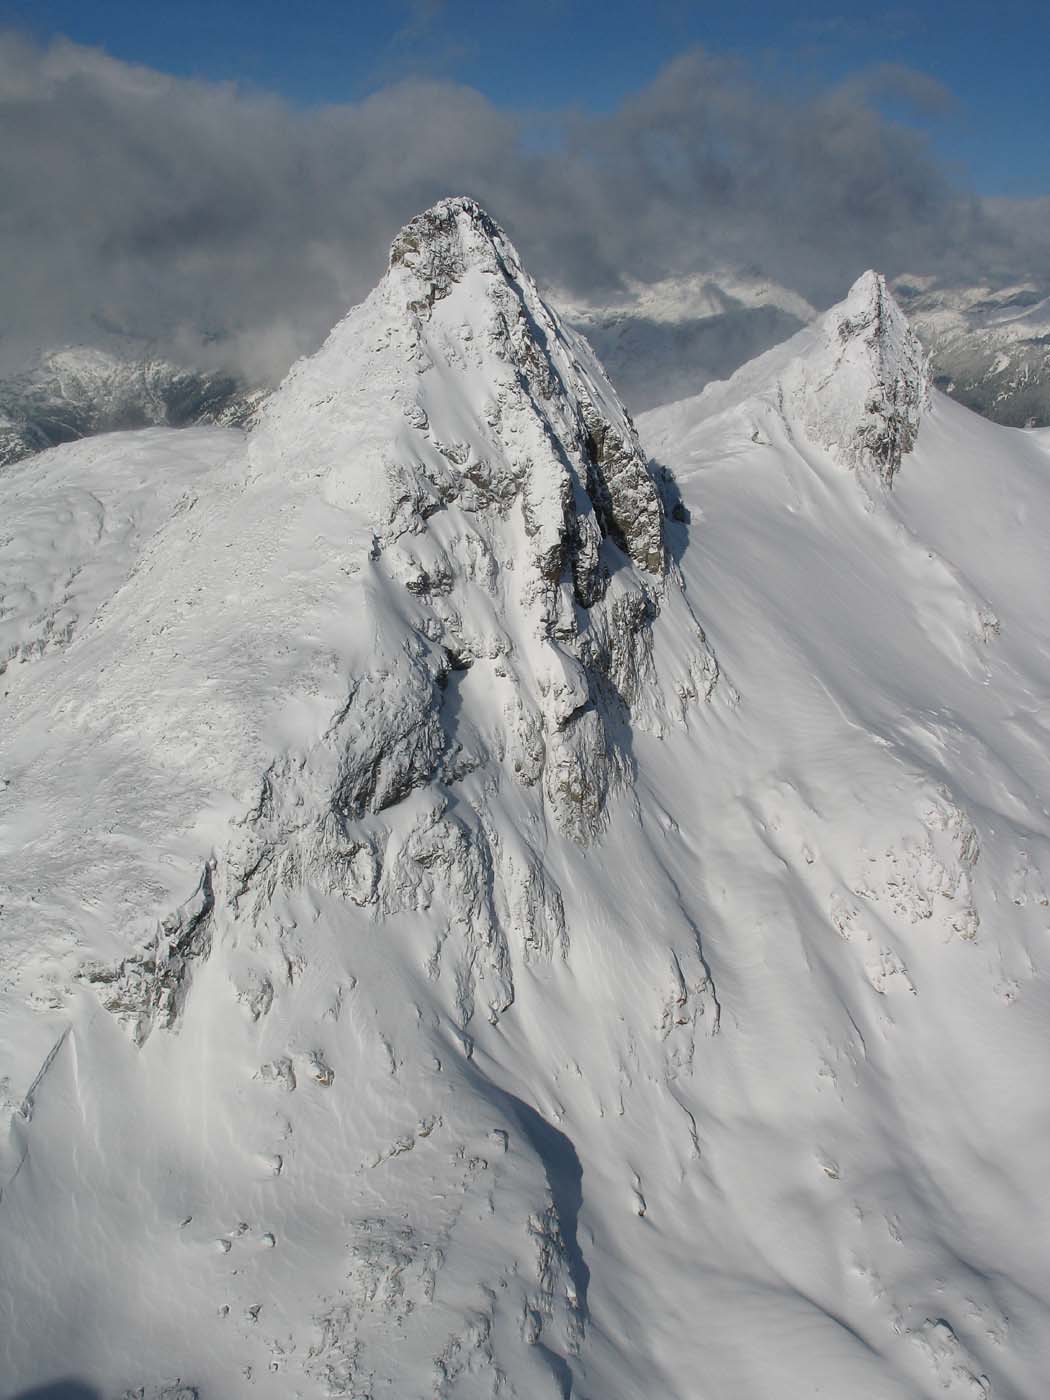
59,1390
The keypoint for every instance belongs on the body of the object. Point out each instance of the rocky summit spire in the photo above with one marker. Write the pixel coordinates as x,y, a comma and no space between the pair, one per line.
437,247
506,490
456,244
862,388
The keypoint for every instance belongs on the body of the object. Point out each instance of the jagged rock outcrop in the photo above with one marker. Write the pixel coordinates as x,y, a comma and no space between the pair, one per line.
148,988
861,390
510,498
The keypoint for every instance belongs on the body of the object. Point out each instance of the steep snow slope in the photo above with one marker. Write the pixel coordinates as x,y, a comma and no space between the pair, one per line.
425,974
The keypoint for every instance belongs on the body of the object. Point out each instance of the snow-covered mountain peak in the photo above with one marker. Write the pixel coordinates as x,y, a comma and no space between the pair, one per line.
438,246
505,491
486,395
861,387
372,887
446,546
855,383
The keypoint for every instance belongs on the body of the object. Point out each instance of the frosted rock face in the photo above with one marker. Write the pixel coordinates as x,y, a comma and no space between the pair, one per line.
862,389
509,500
567,388
148,988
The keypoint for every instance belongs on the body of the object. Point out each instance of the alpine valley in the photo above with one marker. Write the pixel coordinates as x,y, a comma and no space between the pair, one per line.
499,900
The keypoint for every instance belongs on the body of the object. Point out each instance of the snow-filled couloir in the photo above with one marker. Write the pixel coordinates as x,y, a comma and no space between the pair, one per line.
428,971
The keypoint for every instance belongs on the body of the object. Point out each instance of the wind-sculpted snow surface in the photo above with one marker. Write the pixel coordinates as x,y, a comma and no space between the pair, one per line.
412,986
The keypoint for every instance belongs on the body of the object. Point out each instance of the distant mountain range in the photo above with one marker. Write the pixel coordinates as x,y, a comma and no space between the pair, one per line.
80,391
990,349
661,342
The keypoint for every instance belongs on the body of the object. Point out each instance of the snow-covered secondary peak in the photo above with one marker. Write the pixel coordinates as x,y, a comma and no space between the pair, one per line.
855,383
862,386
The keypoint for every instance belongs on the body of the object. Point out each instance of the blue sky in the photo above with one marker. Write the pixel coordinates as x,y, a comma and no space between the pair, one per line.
546,54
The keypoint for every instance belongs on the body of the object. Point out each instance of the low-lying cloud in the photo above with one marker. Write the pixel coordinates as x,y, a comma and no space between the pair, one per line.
193,213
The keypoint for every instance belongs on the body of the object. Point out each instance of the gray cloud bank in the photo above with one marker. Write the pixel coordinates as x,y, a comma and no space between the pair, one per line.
183,211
